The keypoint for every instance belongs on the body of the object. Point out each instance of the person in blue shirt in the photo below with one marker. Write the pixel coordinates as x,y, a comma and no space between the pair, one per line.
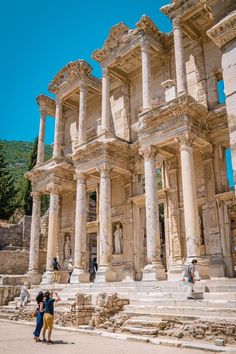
49,315
39,315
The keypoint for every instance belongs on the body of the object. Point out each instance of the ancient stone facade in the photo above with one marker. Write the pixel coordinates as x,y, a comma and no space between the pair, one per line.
156,108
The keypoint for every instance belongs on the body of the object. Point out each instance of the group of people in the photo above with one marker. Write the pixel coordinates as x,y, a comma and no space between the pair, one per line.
44,315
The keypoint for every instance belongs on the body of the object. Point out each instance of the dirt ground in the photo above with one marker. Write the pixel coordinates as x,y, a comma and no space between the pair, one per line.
18,339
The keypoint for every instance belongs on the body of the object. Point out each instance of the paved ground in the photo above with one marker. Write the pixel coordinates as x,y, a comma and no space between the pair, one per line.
17,339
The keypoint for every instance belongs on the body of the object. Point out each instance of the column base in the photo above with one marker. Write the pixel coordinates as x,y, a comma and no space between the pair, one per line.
153,272
34,277
48,278
128,276
176,272
105,274
79,276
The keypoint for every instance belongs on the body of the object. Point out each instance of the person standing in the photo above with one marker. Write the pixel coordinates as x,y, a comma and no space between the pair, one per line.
49,315
191,278
70,269
56,269
24,295
39,316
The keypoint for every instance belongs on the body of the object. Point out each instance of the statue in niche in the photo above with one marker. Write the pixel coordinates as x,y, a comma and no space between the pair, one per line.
118,239
67,248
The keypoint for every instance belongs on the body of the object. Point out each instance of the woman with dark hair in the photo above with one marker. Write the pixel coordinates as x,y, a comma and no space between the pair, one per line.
39,315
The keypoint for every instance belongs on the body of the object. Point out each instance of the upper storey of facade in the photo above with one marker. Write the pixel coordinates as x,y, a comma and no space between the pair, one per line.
148,78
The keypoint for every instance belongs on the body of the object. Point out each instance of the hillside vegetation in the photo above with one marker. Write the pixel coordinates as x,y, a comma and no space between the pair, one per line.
16,155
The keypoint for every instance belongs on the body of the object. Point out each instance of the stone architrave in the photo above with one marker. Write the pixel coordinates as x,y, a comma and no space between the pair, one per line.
181,80
154,269
146,74
53,230
105,100
58,129
224,36
34,239
191,217
40,152
79,274
82,112
105,226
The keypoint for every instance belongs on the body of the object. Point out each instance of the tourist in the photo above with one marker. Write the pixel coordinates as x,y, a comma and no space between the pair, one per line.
191,277
95,264
70,269
49,315
24,295
92,270
56,269
39,315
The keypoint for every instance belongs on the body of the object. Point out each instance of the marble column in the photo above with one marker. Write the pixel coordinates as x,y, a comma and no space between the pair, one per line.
82,112
105,227
191,217
33,271
146,74
53,229
105,100
40,153
79,274
58,129
154,269
224,36
179,57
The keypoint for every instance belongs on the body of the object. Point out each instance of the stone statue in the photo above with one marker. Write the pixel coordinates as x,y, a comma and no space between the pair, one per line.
118,239
67,248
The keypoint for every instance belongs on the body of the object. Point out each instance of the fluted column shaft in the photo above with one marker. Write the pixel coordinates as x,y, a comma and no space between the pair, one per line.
58,129
151,201
191,217
105,100
105,230
80,221
179,57
52,229
35,233
40,152
82,112
146,74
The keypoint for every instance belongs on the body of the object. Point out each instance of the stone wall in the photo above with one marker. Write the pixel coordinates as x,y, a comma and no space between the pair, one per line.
16,235
8,293
17,261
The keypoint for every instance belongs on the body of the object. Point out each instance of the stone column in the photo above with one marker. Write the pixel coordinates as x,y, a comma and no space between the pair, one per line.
40,153
191,217
82,112
224,36
105,100
154,269
105,227
58,129
146,74
34,239
53,226
179,57
79,274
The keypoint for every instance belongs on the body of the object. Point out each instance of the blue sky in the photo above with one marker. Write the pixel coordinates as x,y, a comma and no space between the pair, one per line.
39,37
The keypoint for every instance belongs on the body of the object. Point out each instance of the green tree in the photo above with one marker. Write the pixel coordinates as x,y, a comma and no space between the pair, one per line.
7,189
27,199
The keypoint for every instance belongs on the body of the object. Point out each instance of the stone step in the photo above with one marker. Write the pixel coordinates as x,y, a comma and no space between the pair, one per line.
185,303
154,322
8,316
197,311
220,296
140,330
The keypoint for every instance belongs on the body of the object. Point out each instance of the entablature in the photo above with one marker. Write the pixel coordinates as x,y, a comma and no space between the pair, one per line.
48,104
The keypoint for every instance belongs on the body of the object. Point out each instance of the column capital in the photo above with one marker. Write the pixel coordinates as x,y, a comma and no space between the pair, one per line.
43,112
53,188
176,22
36,195
105,72
144,45
148,152
185,140
105,170
80,176
58,101
83,86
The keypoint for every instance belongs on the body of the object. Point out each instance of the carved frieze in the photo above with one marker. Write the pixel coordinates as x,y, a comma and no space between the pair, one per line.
224,31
